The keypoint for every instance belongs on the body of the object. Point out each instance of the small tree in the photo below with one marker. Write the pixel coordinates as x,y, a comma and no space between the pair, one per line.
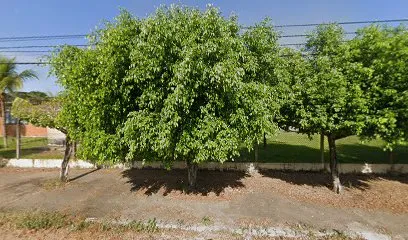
326,96
10,81
45,114
384,50
266,65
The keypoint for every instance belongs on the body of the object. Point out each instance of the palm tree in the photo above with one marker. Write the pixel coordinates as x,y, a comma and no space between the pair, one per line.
10,81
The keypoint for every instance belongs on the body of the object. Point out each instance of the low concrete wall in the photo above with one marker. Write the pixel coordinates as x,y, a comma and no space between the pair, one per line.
344,168
47,163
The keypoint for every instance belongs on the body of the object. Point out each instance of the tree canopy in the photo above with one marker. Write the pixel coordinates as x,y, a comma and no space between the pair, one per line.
178,85
330,99
99,97
192,85
384,50
43,114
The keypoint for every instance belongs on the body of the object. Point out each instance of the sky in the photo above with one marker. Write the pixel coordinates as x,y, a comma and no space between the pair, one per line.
49,17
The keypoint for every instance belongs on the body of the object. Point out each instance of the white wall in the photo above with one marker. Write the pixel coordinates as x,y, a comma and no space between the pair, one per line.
55,137
344,168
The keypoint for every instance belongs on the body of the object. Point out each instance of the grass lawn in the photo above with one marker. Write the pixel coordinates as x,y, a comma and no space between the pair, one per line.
292,147
30,148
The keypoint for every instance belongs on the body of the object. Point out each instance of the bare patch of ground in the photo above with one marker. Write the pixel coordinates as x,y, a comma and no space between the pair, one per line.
371,192
369,203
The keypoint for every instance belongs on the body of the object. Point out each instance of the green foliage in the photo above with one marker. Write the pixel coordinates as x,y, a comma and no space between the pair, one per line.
41,220
265,65
206,220
97,95
34,97
326,89
149,226
10,79
197,102
384,50
178,85
44,114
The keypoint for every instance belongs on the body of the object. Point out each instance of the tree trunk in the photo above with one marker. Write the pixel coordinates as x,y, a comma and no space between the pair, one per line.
18,139
391,160
3,114
65,161
333,164
192,174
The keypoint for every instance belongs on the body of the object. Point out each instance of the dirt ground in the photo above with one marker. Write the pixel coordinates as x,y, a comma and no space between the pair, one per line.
374,204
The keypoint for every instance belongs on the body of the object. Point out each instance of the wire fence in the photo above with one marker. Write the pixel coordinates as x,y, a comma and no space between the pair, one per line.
291,147
33,143
284,147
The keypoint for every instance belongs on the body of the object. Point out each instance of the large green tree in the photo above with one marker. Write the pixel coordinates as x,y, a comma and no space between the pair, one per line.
178,85
326,95
199,101
10,81
384,50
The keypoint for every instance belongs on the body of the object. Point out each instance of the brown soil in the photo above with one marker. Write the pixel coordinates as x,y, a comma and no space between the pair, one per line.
371,192
270,198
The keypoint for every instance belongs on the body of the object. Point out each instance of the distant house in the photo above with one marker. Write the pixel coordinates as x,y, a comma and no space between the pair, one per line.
26,129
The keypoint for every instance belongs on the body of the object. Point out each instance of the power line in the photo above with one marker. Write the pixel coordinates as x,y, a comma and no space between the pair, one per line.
306,35
43,37
50,51
342,23
292,44
85,45
68,36
46,63
27,51
46,46
71,36
27,63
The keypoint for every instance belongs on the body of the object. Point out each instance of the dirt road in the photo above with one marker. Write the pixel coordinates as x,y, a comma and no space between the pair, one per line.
269,199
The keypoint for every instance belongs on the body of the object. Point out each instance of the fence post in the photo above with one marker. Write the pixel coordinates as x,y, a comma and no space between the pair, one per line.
264,140
18,138
322,150
256,152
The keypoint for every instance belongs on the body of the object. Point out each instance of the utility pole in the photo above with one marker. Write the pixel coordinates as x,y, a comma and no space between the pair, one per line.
18,139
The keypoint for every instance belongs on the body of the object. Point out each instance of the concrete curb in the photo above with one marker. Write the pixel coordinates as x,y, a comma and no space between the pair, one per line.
237,166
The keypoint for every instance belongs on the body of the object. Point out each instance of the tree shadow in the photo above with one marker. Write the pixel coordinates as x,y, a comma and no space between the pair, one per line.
83,175
322,179
151,181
